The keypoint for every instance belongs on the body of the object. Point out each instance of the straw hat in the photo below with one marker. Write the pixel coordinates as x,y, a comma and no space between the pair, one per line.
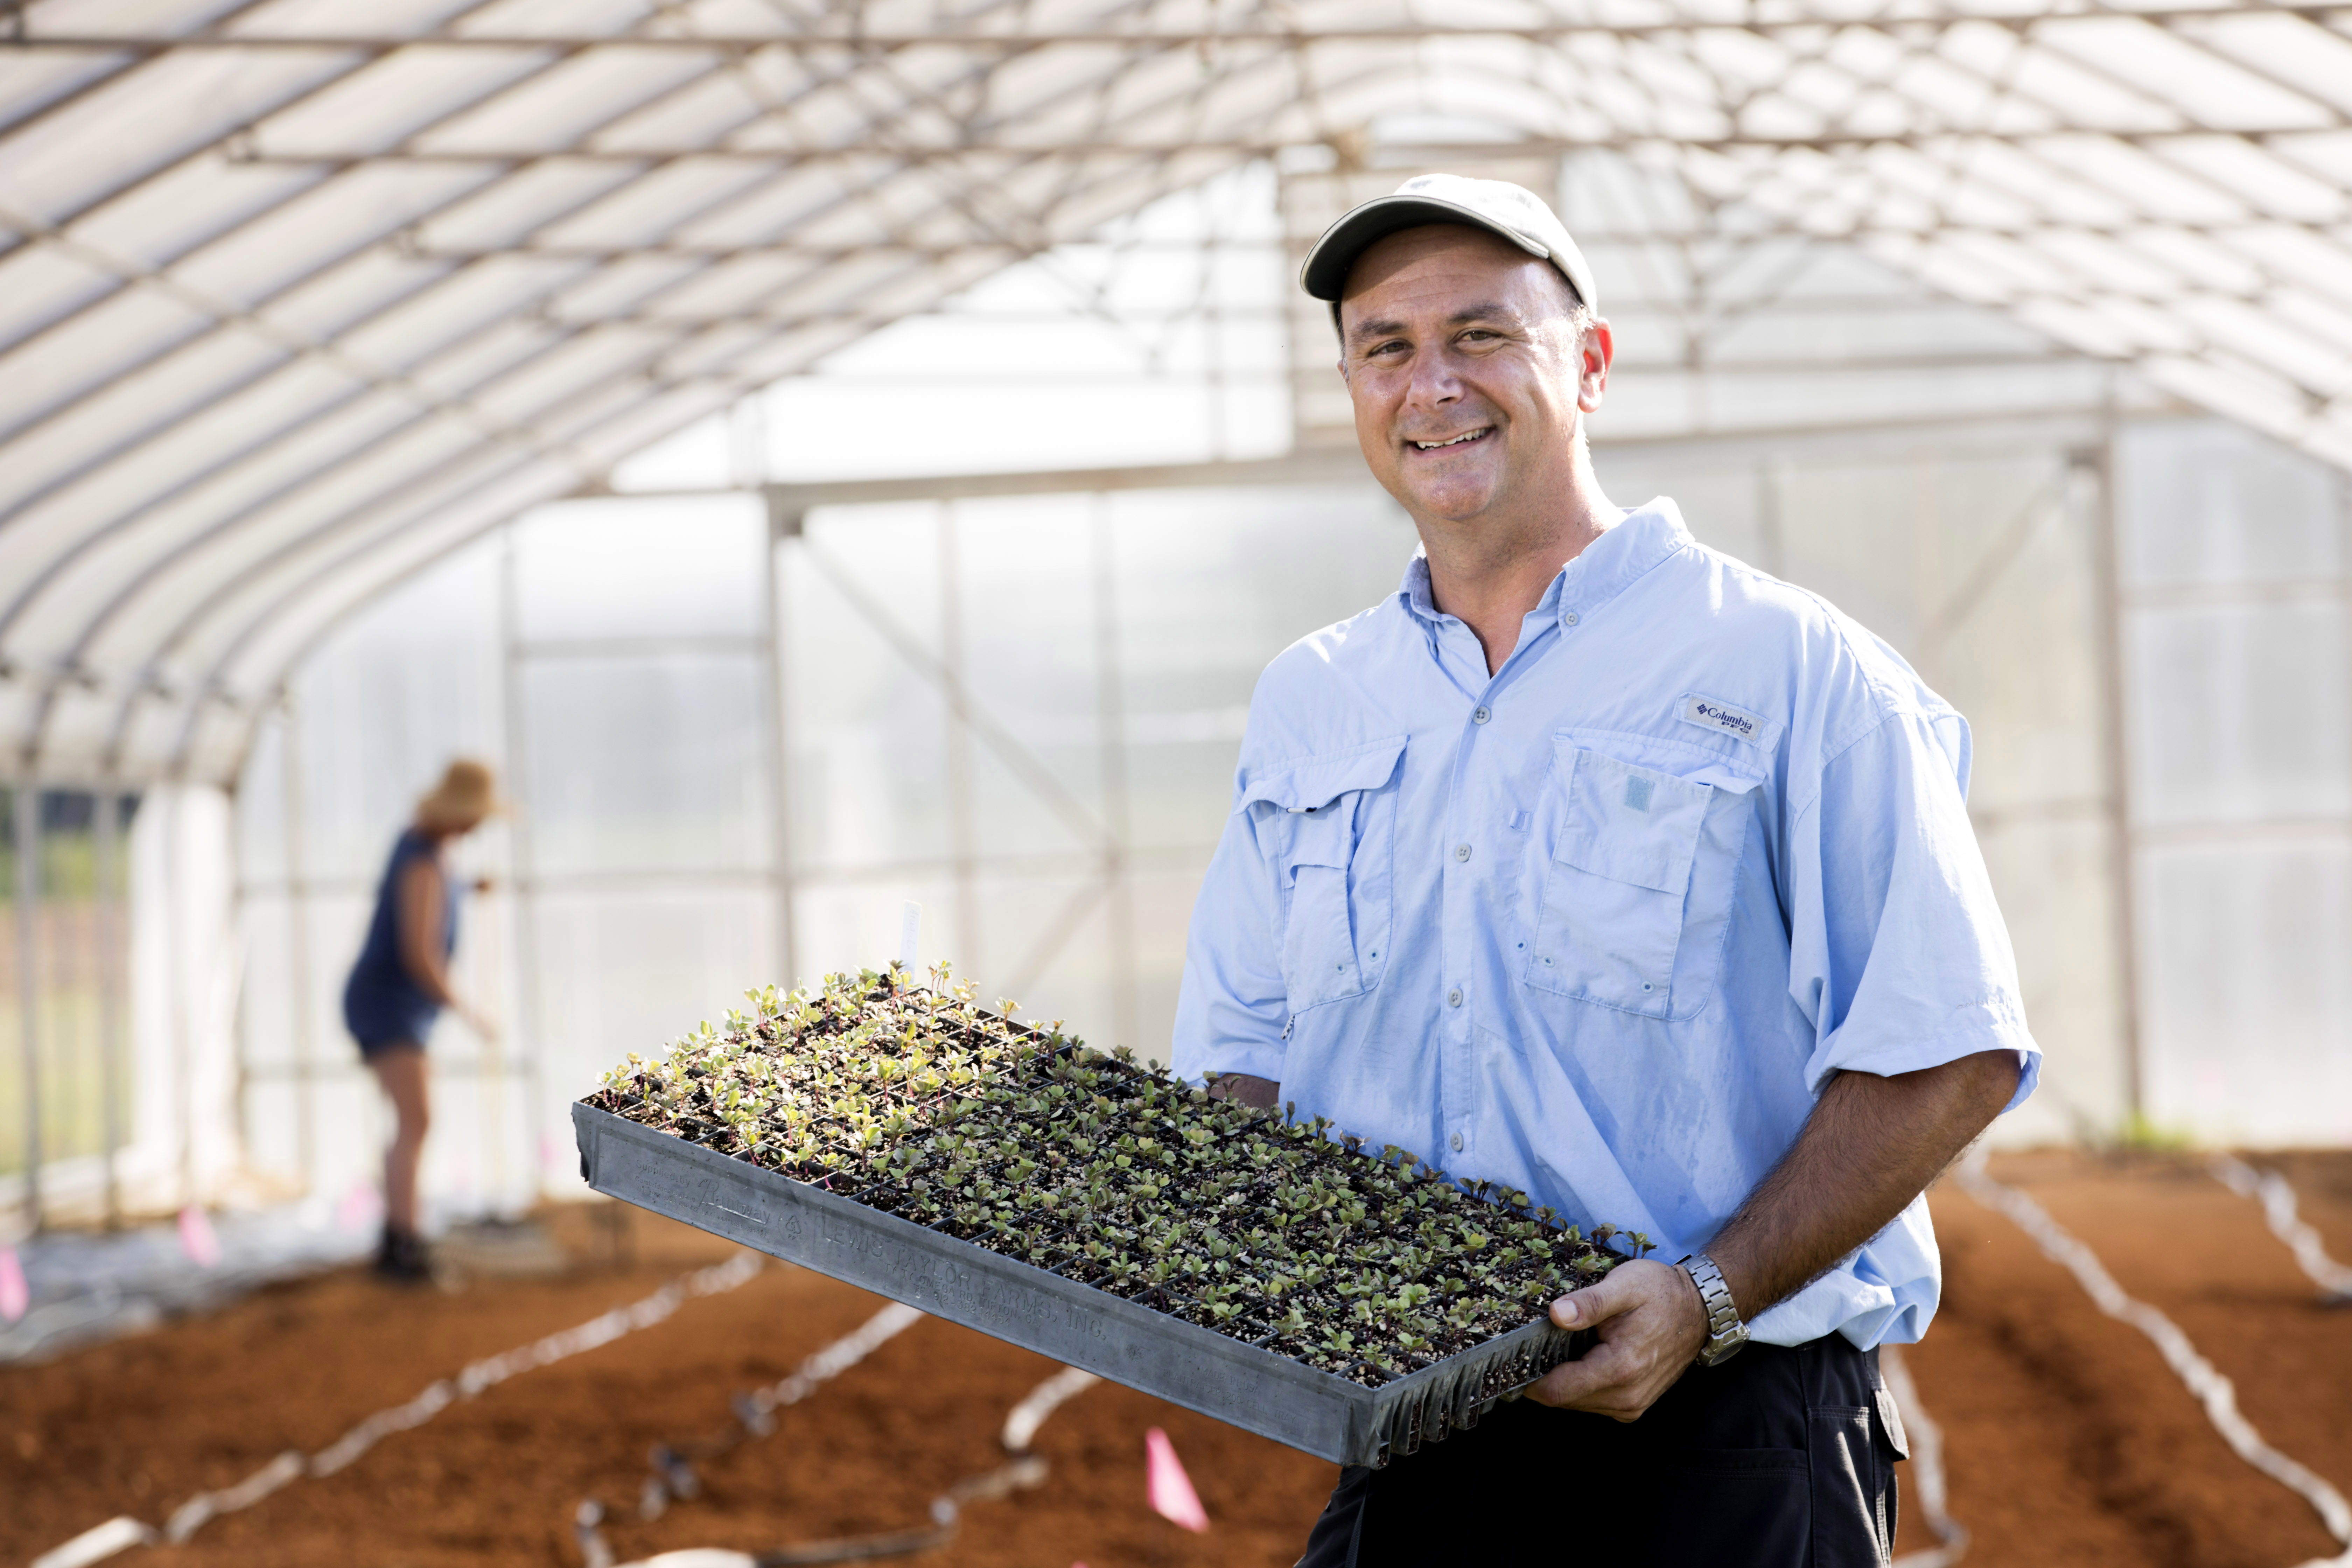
466,794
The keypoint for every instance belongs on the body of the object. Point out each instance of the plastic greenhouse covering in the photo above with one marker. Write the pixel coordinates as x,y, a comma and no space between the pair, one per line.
832,456
297,297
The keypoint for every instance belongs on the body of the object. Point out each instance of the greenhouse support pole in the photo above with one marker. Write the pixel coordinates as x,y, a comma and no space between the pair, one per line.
298,949
1212,332
2098,466
26,805
107,830
179,986
1771,485
1110,720
777,727
962,846
513,692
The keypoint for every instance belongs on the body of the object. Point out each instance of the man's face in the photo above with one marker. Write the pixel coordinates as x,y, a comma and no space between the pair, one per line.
1468,375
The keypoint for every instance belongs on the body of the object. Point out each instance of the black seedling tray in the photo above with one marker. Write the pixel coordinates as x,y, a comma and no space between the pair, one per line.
1256,1389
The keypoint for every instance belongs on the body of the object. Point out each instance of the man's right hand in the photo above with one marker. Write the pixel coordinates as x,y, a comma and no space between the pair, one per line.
1652,1325
1259,1093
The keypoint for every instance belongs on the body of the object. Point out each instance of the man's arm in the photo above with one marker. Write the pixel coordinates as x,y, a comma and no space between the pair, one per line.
1871,1145
1229,1009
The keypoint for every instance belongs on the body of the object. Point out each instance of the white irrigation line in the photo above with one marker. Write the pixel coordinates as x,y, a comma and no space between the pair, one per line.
2277,1198
118,1534
1020,1470
2212,1390
1926,1466
1022,1422
672,1475
838,1357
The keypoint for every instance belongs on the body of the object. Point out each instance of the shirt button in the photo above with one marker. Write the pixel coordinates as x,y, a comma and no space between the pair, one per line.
1481,714
1454,997
1457,1142
1462,851
1568,619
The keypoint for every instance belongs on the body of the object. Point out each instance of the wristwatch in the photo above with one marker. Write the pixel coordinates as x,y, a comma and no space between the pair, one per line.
1725,1332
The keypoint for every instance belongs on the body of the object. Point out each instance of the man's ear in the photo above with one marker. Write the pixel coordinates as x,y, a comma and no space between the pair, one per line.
1596,351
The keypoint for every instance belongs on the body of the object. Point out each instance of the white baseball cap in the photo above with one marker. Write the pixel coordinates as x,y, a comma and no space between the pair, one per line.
1513,212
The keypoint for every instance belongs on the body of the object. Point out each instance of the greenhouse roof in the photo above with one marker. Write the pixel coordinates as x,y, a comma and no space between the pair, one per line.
297,296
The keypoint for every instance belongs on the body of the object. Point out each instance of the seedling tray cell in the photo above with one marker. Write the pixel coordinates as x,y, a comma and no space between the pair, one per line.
1331,1416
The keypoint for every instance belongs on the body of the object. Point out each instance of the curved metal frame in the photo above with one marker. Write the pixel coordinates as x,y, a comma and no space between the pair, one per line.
955,149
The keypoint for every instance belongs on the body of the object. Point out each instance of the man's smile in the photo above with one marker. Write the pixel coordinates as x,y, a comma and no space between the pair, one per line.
1483,431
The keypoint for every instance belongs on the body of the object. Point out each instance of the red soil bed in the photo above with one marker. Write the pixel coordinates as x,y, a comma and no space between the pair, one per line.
2069,1441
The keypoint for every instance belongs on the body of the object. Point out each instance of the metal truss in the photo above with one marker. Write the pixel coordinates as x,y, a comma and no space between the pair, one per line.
285,315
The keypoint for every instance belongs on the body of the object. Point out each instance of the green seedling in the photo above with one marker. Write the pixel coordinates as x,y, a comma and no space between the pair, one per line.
1019,1139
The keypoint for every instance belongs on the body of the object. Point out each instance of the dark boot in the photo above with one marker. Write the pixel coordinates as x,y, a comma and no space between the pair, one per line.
401,1256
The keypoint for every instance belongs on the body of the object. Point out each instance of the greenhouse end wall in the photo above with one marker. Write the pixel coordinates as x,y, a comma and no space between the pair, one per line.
1022,713
2232,578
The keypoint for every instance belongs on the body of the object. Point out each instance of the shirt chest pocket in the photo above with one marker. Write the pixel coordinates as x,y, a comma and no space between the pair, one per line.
1638,893
1327,825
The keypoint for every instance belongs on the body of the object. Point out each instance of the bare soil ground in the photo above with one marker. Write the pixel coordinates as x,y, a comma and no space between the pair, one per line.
2069,1441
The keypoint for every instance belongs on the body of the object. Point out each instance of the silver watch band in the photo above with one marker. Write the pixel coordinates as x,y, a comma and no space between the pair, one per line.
1725,1332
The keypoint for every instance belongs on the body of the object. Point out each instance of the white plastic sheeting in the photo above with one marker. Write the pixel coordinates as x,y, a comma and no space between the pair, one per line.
187,964
296,298
1973,541
2237,598
295,301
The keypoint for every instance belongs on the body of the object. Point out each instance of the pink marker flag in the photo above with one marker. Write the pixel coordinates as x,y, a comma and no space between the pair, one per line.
1173,1496
358,1208
15,1296
197,1237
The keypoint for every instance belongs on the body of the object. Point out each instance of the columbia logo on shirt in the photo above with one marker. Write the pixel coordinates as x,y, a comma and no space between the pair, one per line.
1708,714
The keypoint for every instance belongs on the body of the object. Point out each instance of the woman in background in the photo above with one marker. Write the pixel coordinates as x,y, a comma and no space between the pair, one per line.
401,982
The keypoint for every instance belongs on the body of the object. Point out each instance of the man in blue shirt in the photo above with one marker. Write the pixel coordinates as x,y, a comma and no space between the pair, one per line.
1596,863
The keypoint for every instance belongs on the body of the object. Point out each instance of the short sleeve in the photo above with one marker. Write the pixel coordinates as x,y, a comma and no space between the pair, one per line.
1897,952
1232,1009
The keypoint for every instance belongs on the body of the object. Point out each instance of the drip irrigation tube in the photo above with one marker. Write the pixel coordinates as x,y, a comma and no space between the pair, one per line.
121,1533
1926,1466
670,1474
2213,1390
2277,1198
1021,1471
1022,1422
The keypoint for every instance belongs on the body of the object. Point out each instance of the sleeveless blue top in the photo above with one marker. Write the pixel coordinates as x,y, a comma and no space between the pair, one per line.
381,1002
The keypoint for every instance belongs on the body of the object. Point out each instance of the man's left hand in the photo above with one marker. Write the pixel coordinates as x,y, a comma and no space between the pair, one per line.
1652,1325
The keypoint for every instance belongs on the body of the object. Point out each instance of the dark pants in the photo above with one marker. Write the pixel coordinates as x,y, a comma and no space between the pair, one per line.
1780,1458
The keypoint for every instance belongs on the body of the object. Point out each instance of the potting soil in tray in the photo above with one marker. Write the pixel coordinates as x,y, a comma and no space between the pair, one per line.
918,1103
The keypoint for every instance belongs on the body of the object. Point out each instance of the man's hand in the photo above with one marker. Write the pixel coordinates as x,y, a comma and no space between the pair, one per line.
1259,1093
1871,1145
1652,1325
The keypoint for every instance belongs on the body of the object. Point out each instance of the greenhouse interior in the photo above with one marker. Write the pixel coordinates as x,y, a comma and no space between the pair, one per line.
831,458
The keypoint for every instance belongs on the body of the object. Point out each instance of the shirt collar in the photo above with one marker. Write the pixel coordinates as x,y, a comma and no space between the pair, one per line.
1414,589
1612,563
1608,566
